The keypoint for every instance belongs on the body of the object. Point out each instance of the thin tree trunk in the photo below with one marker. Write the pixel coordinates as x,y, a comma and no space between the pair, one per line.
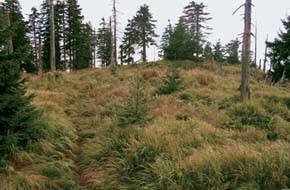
115,32
144,53
220,68
10,38
64,37
283,76
245,86
52,38
112,60
197,34
94,52
36,49
40,65
256,44
265,59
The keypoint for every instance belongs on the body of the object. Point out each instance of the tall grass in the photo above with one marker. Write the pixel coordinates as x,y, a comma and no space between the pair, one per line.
200,137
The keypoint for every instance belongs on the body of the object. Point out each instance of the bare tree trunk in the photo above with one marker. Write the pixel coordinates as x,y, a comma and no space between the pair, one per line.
115,32
283,76
245,86
52,38
94,49
265,59
112,61
10,37
144,56
40,65
144,52
64,38
197,33
220,68
35,42
256,43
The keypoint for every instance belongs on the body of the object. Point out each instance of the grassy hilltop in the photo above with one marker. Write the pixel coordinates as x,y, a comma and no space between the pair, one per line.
199,137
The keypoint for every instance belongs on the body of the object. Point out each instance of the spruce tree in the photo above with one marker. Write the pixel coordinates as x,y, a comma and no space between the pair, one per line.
172,83
104,43
58,20
60,35
74,20
62,22
84,50
2,25
280,54
127,48
232,51
180,46
35,23
219,52
45,35
135,110
208,52
18,118
196,17
219,56
144,29
166,39
15,34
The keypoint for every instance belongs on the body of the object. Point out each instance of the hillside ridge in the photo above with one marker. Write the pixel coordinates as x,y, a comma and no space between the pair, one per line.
200,136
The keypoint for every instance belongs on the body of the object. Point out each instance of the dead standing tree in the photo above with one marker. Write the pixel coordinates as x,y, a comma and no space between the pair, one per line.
7,12
52,38
266,52
246,49
113,30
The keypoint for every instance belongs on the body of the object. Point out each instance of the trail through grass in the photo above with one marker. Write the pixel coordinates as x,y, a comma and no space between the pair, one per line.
199,136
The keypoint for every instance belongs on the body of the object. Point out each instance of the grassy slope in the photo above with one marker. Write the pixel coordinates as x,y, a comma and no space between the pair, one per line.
199,138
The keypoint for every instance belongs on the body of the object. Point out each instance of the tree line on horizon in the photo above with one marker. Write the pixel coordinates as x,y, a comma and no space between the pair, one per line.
77,45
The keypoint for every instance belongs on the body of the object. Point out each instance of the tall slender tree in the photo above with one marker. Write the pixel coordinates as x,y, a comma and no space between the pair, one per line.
166,39
196,17
114,39
52,37
144,29
74,29
84,49
35,27
62,14
246,57
104,39
46,36
127,49
265,54
15,32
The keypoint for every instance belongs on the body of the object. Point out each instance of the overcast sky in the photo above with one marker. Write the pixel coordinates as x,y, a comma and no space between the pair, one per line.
226,27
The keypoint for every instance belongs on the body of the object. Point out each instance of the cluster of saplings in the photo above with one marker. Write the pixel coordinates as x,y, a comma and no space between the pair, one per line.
134,112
